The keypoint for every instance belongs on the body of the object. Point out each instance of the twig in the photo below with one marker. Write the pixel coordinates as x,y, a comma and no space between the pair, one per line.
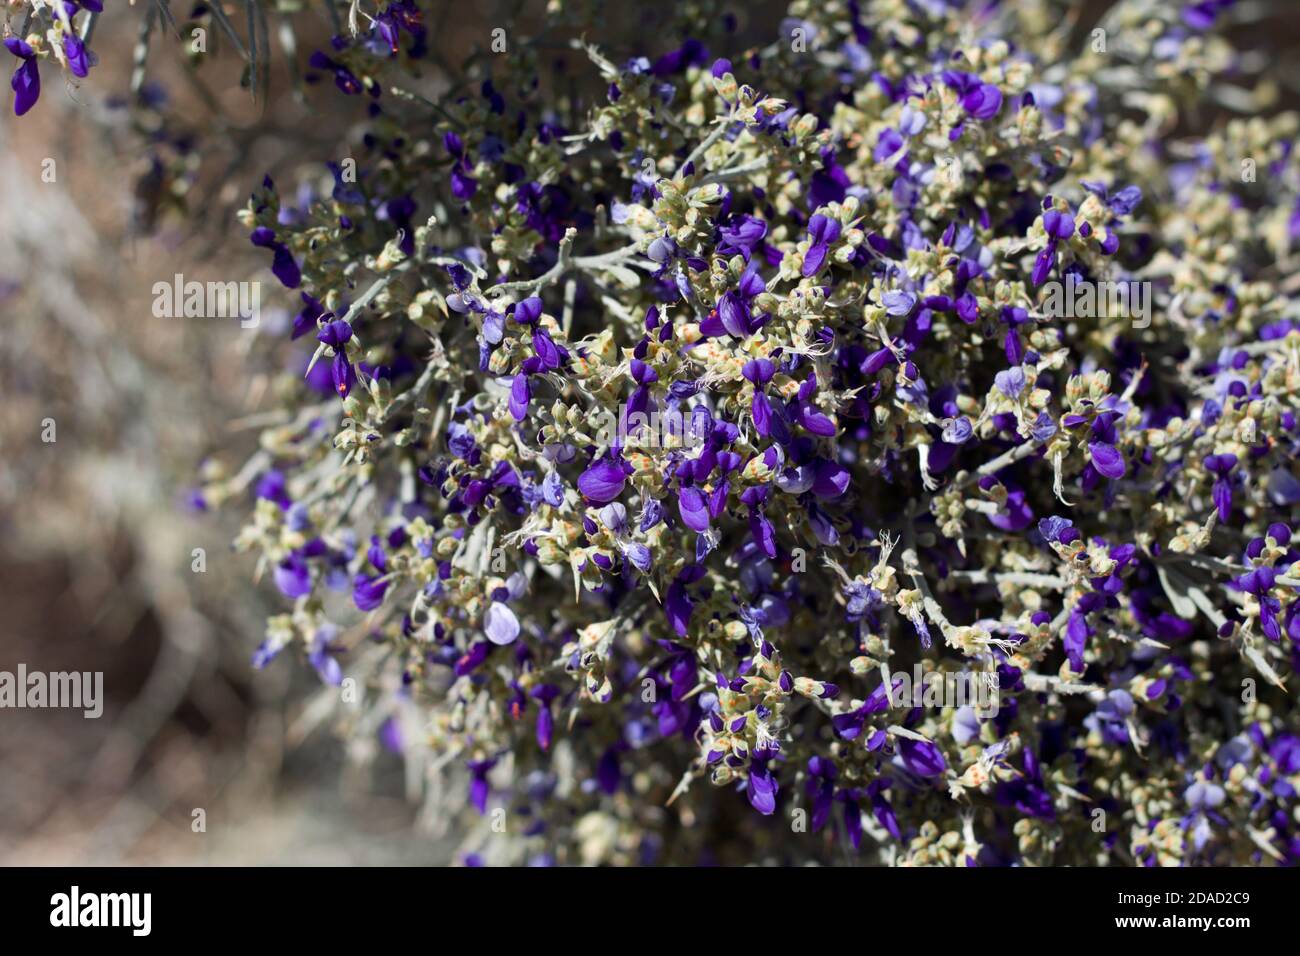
708,141
735,172
1025,578
563,263
1008,457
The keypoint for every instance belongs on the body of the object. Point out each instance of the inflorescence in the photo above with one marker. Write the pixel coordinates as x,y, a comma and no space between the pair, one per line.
676,456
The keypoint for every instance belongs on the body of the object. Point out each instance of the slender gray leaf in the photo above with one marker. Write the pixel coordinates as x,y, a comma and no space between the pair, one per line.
1177,589
229,28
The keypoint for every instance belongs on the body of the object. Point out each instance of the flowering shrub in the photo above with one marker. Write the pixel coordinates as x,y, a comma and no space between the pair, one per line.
837,260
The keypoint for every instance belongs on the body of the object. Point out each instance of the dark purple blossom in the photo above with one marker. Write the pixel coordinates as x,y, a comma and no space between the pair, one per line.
26,81
822,231
603,481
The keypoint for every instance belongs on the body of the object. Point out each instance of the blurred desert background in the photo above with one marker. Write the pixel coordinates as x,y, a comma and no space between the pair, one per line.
97,539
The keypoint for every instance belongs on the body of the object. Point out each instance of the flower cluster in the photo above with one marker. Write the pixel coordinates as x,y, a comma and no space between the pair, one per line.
828,254
57,38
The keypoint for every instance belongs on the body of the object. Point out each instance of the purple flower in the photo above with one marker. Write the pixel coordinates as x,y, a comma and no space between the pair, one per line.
322,658
1221,466
831,480
26,81
549,353
463,185
965,725
603,481
1059,225
911,121
823,231
368,592
271,486
479,788
343,375
283,265
80,60
639,555
897,302
528,311
1107,459
1043,428
958,431
890,142
1016,514
758,371
1055,529
850,725
1201,15
344,78
762,789
922,757
734,314
553,489
1203,795
265,653
693,509
1010,382
741,236
335,334
520,395
1125,201
1077,630
472,658
678,606
983,102
1044,263
1257,582
293,577
500,624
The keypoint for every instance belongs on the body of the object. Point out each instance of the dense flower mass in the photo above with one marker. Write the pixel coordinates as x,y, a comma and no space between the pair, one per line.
650,446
